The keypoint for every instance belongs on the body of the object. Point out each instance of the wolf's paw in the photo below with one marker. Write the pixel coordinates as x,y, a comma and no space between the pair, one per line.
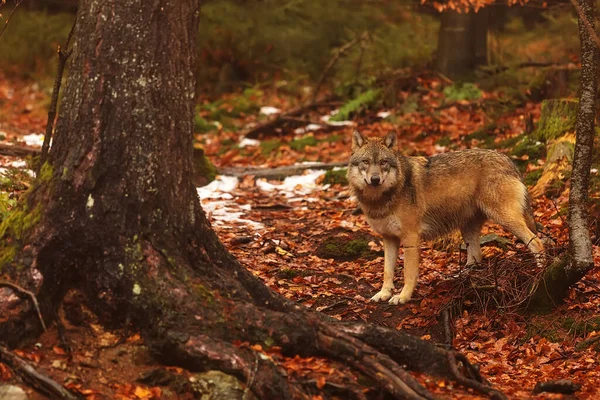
401,298
383,295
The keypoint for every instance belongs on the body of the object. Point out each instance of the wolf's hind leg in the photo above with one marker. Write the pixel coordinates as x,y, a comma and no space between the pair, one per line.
471,231
390,248
534,244
514,214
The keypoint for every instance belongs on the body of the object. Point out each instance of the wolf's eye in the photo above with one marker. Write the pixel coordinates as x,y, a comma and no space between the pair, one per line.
384,163
365,162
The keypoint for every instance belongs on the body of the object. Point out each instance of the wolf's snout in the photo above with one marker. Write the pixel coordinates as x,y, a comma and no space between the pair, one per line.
375,180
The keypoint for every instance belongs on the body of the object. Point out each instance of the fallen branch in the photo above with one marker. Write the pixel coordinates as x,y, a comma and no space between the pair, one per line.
281,119
18,151
278,172
32,377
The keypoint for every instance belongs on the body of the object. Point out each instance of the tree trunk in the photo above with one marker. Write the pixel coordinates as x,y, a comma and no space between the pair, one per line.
462,43
562,274
580,244
115,216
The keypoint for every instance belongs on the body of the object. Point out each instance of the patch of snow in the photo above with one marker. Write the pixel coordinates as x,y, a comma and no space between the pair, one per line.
384,114
266,110
249,142
219,204
593,170
308,128
325,118
440,149
34,139
18,164
293,185
219,188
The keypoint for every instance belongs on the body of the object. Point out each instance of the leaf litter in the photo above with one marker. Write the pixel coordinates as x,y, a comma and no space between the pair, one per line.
274,227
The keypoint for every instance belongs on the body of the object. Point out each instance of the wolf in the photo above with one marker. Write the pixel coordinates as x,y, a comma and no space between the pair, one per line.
410,199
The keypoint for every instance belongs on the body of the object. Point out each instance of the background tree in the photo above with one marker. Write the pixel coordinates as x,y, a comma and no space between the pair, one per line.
115,217
564,273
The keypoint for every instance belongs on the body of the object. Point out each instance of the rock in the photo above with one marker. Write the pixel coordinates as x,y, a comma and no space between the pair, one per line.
215,385
11,392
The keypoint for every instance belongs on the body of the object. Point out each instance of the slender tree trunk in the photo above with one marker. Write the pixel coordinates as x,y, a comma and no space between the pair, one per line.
462,43
114,215
580,244
564,273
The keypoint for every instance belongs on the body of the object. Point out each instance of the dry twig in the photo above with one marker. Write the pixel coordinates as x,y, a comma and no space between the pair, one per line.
62,61
17,3
26,292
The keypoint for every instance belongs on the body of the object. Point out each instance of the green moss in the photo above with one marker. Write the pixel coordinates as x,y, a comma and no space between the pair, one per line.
7,255
288,273
300,144
269,146
334,138
462,91
204,170
336,177
46,173
550,333
20,221
532,177
524,145
485,136
557,118
201,125
344,248
552,287
444,141
203,292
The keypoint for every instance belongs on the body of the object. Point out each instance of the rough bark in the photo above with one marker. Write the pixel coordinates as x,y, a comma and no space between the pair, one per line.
462,43
114,215
580,244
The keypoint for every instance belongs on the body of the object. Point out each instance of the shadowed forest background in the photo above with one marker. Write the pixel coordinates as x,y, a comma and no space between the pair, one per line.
113,284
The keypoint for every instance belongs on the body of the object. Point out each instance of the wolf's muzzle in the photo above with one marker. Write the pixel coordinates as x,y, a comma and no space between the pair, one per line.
375,181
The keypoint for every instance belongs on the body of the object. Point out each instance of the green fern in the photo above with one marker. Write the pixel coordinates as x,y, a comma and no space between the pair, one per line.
363,101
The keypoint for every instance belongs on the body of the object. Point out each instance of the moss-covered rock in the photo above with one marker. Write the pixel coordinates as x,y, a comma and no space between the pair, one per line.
558,117
336,177
345,246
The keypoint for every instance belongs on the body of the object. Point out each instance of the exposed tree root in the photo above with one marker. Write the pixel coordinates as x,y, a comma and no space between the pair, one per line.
29,294
477,384
32,377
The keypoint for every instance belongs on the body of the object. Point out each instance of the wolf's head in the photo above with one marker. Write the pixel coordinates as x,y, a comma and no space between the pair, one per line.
373,167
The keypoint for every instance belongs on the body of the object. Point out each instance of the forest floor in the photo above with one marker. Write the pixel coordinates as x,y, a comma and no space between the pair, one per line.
294,234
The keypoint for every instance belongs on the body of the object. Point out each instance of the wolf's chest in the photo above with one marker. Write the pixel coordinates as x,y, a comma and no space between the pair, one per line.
388,226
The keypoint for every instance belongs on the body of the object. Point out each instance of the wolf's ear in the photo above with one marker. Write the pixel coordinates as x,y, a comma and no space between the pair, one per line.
358,140
391,140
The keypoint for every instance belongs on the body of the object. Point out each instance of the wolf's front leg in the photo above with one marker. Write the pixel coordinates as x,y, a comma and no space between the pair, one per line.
411,269
390,248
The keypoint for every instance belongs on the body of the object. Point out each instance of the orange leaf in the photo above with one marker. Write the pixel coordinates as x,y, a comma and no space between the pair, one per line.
321,382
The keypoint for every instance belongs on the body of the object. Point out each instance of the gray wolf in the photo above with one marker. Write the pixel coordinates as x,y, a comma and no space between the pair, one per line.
409,199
